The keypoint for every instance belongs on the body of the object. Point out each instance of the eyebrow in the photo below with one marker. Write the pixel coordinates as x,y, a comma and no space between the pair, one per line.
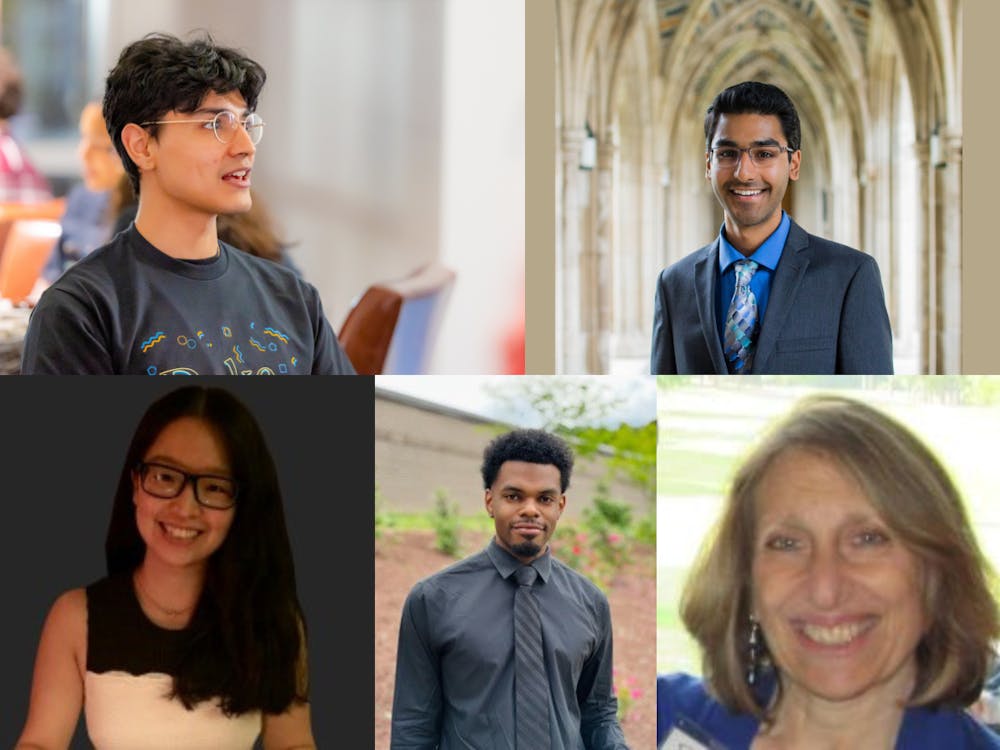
734,144
515,488
216,110
173,463
793,521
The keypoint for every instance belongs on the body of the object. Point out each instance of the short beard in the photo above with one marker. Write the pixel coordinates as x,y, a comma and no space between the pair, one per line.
525,549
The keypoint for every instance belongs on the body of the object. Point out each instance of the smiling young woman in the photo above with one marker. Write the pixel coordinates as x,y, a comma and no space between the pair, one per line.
196,637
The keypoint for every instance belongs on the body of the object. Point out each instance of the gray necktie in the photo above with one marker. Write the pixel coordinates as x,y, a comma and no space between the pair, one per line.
531,685
741,322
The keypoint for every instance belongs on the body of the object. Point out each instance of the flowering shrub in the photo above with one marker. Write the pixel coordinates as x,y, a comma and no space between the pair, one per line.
601,544
627,693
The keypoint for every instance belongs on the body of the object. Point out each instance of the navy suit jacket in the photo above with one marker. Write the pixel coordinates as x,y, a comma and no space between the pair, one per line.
825,314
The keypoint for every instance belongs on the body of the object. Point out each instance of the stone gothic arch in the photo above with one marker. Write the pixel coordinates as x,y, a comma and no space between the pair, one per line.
877,88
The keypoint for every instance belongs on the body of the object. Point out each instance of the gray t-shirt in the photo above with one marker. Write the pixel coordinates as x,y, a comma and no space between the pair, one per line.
129,309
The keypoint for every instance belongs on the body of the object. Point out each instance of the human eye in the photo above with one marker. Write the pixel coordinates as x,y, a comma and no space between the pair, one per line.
727,154
782,543
546,499
216,489
163,476
225,122
765,153
871,538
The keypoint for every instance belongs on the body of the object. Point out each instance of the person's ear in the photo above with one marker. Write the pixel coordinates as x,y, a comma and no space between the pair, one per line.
488,499
708,165
140,146
562,504
793,167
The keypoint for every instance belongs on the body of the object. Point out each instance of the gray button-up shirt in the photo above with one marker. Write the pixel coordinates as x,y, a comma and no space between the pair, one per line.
455,663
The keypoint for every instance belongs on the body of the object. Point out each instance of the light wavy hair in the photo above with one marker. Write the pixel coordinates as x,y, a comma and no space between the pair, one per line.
912,492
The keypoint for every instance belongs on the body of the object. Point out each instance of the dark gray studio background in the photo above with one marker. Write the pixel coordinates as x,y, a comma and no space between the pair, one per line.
63,441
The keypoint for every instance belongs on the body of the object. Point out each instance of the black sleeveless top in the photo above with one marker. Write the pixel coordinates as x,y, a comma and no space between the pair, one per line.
131,663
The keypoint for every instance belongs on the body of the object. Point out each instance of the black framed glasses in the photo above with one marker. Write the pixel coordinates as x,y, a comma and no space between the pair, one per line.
225,125
727,157
167,482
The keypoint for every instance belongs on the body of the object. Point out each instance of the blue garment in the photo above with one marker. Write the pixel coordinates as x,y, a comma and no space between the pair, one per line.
86,226
681,695
766,256
826,314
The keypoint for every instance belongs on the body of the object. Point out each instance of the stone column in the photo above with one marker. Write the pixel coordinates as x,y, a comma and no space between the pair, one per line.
927,268
948,198
569,328
597,271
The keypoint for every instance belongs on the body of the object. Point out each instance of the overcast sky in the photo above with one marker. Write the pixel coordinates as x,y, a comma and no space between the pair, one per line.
469,393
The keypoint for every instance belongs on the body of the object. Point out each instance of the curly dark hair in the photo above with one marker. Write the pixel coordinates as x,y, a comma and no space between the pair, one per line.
533,446
161,73
755,98
246,641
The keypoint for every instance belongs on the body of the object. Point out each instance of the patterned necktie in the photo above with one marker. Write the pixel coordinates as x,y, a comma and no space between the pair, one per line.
531,686
741,322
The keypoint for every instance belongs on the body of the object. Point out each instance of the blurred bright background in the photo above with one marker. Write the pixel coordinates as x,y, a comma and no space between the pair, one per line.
708,424
394,138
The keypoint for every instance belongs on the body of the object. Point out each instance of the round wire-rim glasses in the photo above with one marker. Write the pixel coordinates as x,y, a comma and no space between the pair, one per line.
727,157
225,124
167,482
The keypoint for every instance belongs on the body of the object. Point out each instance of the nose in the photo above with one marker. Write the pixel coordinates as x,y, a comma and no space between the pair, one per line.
529,508
241,143
185,502
828,577
744,166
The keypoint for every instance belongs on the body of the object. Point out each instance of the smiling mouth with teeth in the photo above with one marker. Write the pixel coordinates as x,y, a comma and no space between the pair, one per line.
179,533
837,635
748,192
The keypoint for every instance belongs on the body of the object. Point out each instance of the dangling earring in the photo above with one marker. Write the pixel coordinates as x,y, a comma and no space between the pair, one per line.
754,649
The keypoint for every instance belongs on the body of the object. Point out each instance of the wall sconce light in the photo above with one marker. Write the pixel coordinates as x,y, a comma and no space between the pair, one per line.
588,151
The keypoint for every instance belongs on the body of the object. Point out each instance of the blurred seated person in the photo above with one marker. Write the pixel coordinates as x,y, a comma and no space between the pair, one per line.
842,601
86,223
20,181
253,232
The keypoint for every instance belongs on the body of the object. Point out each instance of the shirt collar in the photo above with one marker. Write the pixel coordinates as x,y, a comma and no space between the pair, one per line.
506,563
767,255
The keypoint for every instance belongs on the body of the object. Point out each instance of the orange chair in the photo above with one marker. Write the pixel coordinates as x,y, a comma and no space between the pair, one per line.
10,212
29,244
392,326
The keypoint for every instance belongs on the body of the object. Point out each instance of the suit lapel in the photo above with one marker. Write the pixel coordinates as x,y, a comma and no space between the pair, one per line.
705,280
787,277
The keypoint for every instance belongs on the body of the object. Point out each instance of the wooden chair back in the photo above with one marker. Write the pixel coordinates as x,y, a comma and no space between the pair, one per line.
395,322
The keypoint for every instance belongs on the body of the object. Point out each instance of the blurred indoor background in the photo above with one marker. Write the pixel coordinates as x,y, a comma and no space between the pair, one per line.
394,141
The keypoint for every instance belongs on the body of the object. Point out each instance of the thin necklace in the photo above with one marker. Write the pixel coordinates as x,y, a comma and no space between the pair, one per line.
165,610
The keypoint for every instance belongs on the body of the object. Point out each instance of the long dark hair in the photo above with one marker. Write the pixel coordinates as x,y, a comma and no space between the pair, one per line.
246,638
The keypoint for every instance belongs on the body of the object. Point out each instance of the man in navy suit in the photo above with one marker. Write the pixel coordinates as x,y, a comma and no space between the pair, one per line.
807,305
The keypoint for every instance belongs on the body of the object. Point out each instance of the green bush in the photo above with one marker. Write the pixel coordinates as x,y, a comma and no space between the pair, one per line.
445,521
644,531
383,519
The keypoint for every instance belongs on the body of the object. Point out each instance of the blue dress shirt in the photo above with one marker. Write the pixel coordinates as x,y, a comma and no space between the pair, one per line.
766,256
